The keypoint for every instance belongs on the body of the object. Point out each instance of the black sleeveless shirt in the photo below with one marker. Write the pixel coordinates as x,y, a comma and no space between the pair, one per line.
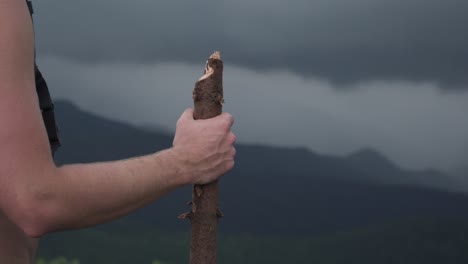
45,102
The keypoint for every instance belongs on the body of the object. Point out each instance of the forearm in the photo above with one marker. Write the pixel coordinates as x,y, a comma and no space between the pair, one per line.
83,195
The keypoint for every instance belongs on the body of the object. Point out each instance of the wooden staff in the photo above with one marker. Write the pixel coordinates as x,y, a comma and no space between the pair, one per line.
208,101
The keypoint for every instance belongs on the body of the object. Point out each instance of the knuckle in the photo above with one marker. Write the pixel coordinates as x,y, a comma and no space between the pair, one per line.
228,120
228,116
230,165
232,138
187,111
179,123
187,114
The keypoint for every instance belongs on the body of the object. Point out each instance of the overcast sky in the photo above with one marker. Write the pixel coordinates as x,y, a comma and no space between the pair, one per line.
332,75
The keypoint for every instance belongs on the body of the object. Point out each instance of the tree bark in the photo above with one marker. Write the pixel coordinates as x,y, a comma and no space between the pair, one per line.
208,100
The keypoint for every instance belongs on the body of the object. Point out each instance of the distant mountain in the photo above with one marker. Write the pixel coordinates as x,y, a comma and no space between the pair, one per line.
462,172
377,168
372,162
87,138
275,190
155,128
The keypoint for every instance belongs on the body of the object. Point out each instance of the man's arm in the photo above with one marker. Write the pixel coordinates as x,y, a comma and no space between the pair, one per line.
40,198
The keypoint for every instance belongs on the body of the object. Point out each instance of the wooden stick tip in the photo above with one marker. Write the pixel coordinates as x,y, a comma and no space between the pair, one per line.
216,55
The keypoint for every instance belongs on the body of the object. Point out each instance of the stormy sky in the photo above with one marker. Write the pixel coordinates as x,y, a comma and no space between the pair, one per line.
331,75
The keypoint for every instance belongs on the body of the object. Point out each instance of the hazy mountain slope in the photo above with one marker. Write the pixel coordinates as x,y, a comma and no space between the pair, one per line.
271,190
377,168
86,137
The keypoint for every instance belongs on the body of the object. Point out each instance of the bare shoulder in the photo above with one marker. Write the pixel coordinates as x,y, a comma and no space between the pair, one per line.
16,40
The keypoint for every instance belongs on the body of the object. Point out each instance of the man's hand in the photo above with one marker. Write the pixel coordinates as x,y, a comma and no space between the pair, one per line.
205,146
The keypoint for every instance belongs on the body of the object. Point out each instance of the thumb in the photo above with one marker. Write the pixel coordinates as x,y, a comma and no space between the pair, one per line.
187,114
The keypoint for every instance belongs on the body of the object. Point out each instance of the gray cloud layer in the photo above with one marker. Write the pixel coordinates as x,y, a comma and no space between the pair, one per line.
414,124
341,41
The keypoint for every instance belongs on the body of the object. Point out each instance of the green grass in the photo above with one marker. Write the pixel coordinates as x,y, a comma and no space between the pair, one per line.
416,241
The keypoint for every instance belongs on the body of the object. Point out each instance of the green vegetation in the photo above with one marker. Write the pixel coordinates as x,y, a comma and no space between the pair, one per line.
59,260
62,260
418,241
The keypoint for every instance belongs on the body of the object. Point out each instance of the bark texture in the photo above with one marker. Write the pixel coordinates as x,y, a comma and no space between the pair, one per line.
208,101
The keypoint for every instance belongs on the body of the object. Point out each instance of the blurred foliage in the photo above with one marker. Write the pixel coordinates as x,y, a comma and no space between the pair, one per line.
59,260
412,241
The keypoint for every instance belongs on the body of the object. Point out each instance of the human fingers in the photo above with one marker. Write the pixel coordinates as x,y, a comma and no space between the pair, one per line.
187,115
226,121
229,165
231,138
229,155
228,141
232,152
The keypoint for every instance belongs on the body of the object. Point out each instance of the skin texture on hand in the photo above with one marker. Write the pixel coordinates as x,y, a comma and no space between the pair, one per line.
205,146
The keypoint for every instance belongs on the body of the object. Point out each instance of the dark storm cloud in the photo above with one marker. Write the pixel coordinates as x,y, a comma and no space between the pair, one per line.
342,41
413,124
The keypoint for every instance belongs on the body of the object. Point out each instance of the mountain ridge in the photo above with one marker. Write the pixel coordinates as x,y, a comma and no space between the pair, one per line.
271,186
